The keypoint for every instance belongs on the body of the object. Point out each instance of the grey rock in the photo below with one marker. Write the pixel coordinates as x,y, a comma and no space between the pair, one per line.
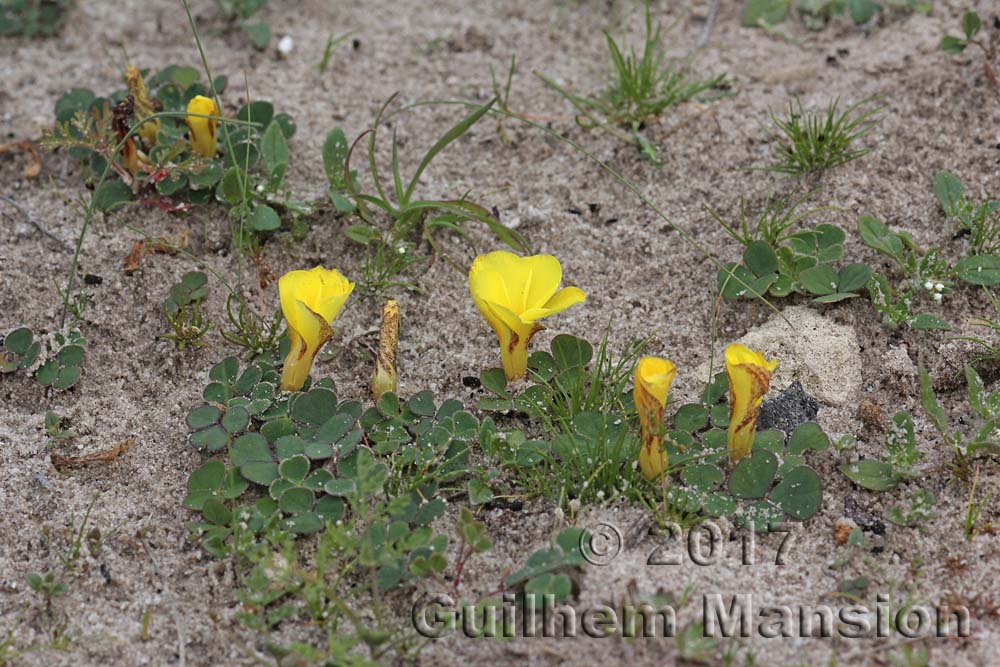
791,408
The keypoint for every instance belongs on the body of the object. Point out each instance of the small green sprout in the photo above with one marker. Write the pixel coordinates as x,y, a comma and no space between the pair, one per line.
808,142
183,311
972,24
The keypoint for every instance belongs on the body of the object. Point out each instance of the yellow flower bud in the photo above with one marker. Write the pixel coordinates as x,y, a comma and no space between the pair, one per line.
143,106
202,130
513,293
385,377
749,377
310,301
653,377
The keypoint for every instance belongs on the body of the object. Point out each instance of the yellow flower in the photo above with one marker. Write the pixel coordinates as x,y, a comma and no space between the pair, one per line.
385,377
202,129
513,293
653,377
310,301
749,377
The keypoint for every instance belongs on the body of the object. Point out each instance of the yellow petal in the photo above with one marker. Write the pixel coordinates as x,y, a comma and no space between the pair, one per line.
749,378
203,140
655,376
310,300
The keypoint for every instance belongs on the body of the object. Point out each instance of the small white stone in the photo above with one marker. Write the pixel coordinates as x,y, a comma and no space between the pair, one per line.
285,45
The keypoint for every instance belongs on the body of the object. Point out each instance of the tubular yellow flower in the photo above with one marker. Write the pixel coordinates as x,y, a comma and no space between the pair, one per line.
310,301
143,106
385,377
653,377
749,377
513,293
202,129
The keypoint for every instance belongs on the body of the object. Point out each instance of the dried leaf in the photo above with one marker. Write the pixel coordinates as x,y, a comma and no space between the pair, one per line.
61,462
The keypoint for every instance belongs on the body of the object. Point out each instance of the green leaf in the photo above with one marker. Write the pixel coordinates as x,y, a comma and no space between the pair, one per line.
495,381
229,187
260,113
203,416
834,298
759,257
808,436
296,500
879,237
871,474
979,270
314,407
691,417
798,494
820,279
335,151
274,152
948,190
112,195
953,45
258,33
571,352
753,475
479,493
764,12
294,468
923,321
971,24
853,277
263,219
215,511
930,404
703,477
18,341
862,11
362,234
252,455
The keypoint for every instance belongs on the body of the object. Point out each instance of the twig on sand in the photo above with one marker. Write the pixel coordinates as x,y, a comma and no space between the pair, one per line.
34,223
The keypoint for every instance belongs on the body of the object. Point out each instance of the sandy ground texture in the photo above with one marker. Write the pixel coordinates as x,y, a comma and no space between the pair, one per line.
638,274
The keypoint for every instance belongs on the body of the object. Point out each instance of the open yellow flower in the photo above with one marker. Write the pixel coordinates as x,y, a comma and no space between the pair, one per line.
202,129
310,301
749,377
653,377
513,293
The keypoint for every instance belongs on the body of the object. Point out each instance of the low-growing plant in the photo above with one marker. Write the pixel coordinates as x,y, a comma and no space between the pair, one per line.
257,334
974,510
393,227
804,263
182,309
33,18
808,142
980,221
983,406
815,14
900,462
921,510
641,88
926,275
972,24
56,360
241,11
367,483
777,216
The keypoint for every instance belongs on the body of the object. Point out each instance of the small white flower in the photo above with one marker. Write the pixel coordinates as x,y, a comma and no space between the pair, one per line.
928,286
936,296
939,287
260,188
285,45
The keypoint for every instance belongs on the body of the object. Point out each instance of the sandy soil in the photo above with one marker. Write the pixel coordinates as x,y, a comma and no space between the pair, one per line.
637,273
